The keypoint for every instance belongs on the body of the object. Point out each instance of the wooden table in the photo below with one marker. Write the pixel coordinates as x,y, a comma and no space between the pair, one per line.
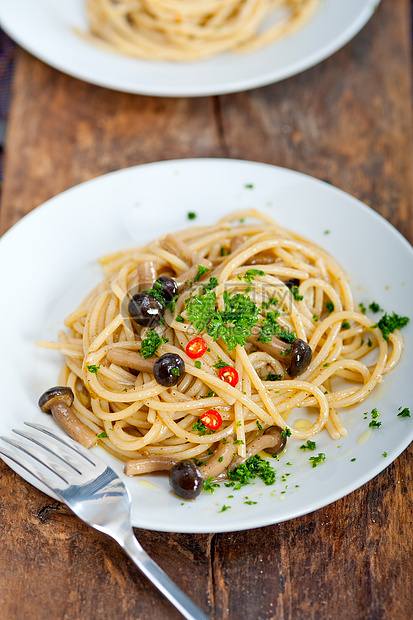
348,121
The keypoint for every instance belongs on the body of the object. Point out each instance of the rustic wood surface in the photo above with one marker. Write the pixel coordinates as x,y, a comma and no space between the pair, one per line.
347,121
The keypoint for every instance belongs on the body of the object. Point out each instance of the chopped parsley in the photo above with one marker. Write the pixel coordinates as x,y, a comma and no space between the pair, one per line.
223,251
330,306
220,363
151,344
201,271
250,502
209,395
201,428
191,215
254,467
345,324
249,275
213,283
352,460
286,432
258,425
175,371
224,508
180,319
269,327
309,445
296,295
374,306
102,435
404,413
362,308
233,324
374,424
249,186
209,485
272,377
155,291
388,324
197,364
384,454
317,460
93,368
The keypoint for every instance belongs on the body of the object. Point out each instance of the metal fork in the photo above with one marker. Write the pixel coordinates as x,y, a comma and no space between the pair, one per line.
95,493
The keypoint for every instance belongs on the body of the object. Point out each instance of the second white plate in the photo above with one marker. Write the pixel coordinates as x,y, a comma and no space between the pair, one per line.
46,29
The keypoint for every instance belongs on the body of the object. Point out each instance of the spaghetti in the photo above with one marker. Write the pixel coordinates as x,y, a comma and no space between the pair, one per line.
248,293
181,30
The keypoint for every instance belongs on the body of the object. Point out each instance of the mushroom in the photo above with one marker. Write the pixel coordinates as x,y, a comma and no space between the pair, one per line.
57,401
296,356
130,359
179,248
147,465
272,441
146,275
218,463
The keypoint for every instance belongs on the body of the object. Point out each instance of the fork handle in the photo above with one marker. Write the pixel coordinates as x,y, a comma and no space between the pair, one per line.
161,580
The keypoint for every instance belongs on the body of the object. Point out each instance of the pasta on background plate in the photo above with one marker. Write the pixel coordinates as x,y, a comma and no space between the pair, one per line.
182,30
202,346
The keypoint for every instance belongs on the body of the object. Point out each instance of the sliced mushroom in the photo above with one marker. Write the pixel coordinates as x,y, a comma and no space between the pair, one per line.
272,441
146,275
147,465
219,461
236,242
57,401
262,258
179,248
130,359
296,356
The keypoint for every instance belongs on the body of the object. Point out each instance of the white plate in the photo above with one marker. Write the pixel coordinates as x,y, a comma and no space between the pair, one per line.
46,29
48,263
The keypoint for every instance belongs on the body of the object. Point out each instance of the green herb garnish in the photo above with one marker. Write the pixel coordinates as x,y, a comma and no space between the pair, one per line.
201,428
93,368
404,413
317,460
374,306
269,327
296,295
254,467
388,324
151,344
272,377
330,306
250,274
286,432
309,445
191,215
201,271
102,435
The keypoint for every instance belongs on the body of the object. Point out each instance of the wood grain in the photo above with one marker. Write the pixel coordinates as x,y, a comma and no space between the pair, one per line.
348,121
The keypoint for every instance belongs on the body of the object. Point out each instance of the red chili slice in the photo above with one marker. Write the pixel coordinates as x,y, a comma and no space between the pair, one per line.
229,375
211,419
196,348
